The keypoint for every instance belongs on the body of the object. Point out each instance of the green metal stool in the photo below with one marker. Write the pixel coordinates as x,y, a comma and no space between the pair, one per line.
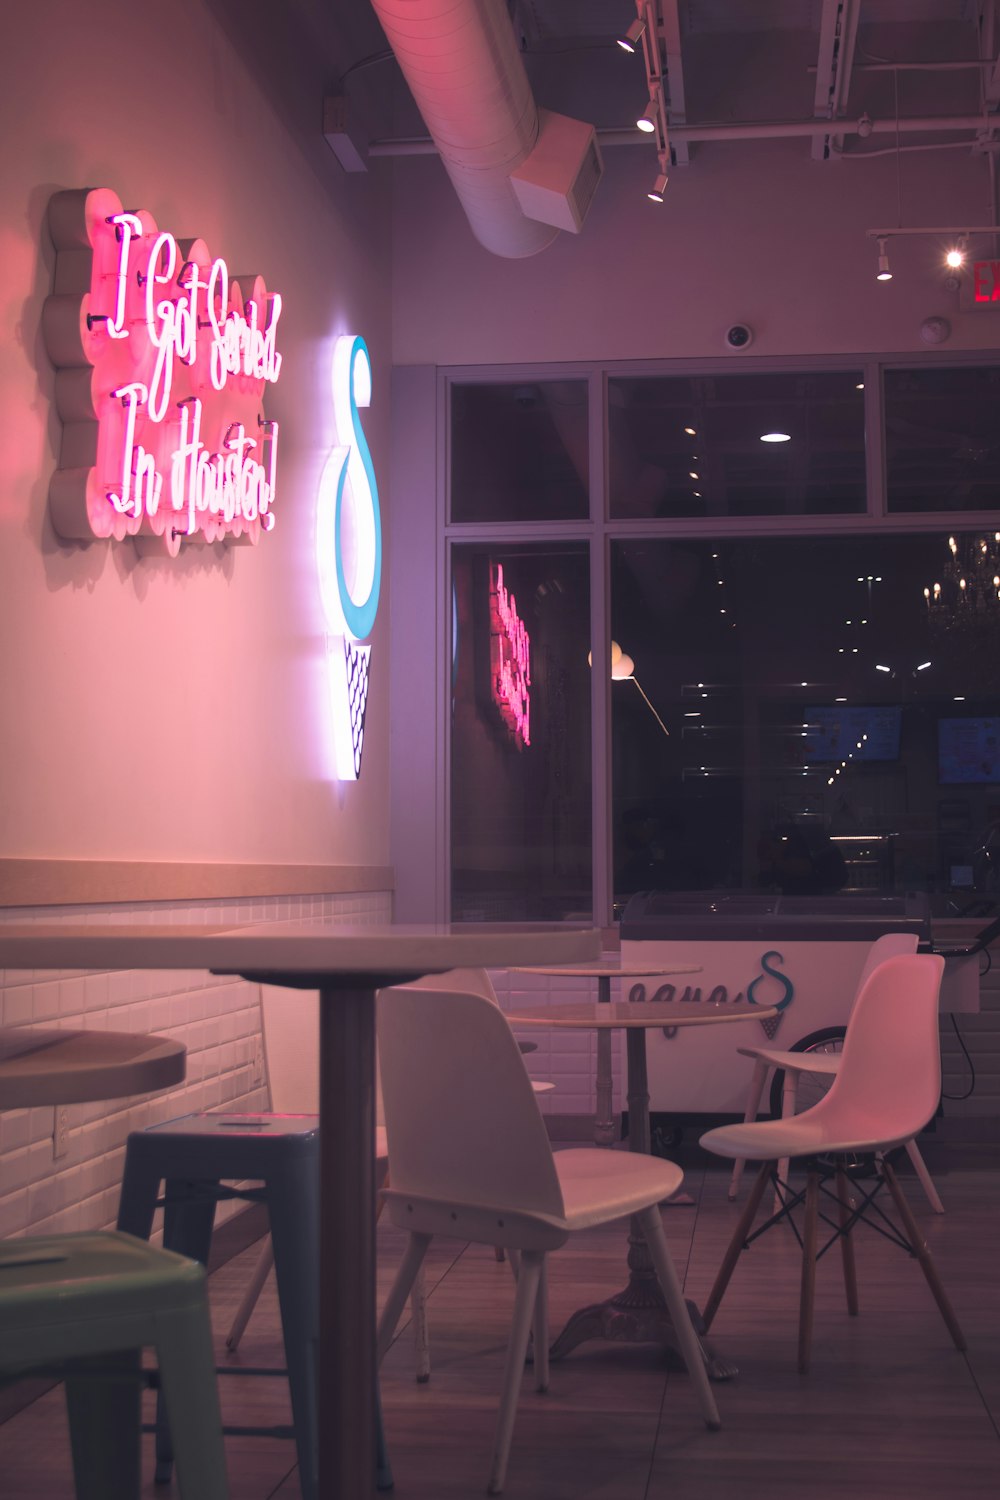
82,1306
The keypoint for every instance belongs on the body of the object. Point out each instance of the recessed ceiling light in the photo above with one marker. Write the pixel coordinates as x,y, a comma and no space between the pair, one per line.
690,431
776,437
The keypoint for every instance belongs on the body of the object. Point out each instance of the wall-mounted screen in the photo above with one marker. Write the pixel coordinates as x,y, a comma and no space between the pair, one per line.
851,732
968,751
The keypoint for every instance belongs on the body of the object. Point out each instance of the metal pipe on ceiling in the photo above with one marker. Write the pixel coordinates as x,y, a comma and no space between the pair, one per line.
461,62
757,130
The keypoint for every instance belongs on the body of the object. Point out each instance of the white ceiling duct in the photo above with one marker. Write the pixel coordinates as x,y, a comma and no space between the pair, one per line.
461,61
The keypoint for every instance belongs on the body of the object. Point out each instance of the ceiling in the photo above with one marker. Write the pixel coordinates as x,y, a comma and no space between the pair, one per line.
728,66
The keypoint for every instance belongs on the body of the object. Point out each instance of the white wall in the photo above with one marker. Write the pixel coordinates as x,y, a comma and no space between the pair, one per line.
178,710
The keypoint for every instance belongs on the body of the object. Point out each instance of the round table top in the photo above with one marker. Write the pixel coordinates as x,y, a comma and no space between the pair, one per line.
632,1014
608,966
46,1065
297,952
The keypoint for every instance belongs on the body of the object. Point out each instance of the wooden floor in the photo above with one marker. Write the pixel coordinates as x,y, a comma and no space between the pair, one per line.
890,1409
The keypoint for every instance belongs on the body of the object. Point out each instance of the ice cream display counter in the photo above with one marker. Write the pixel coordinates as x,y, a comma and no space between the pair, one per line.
802,954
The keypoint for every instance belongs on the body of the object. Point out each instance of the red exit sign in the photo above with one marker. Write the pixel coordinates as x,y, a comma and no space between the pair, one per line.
985,282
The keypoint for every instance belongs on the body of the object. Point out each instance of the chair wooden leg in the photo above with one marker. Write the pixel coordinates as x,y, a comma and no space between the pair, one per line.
923,1255
524,1308
540,1330
732,1254
250,1297
926,1181
847,1243
808,1287
418,1315
691,1349
413,1257
757,1082
789,1100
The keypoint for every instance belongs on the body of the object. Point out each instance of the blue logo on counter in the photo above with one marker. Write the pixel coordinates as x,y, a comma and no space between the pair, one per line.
771,1023
788,988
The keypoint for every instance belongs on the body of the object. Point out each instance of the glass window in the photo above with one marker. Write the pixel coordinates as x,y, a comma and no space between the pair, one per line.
519,452
737,445
801,716
942,448
520,749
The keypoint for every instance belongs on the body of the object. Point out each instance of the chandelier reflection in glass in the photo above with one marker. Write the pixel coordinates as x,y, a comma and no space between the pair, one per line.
966,599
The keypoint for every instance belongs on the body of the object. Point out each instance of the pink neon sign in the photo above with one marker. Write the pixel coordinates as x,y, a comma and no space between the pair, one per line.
510,659
162,359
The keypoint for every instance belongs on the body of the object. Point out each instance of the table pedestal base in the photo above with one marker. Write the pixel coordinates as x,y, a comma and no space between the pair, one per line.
638,1315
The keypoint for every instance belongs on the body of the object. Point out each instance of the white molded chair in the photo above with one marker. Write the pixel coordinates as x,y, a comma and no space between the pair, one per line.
478,982
822,1066
290,1023
886,1089
471,1159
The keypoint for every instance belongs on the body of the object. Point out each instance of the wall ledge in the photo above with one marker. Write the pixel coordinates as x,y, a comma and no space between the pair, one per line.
86,882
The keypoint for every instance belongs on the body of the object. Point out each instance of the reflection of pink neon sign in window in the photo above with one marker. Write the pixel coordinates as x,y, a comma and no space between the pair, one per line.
510,659
162,360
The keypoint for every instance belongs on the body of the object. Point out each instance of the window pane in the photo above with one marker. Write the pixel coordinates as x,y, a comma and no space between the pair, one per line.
519,452
692,445
942,450
520,780
829,727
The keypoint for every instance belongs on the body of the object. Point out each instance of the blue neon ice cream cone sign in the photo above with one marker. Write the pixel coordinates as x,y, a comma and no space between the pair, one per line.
349,553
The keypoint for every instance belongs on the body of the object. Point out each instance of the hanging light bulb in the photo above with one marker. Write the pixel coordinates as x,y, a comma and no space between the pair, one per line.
623,670
647,120
883,273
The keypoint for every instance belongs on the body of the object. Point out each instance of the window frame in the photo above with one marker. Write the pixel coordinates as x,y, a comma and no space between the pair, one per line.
599,530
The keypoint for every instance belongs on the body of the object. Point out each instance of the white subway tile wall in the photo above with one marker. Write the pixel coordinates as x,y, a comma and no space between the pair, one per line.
217,1017
567,1059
